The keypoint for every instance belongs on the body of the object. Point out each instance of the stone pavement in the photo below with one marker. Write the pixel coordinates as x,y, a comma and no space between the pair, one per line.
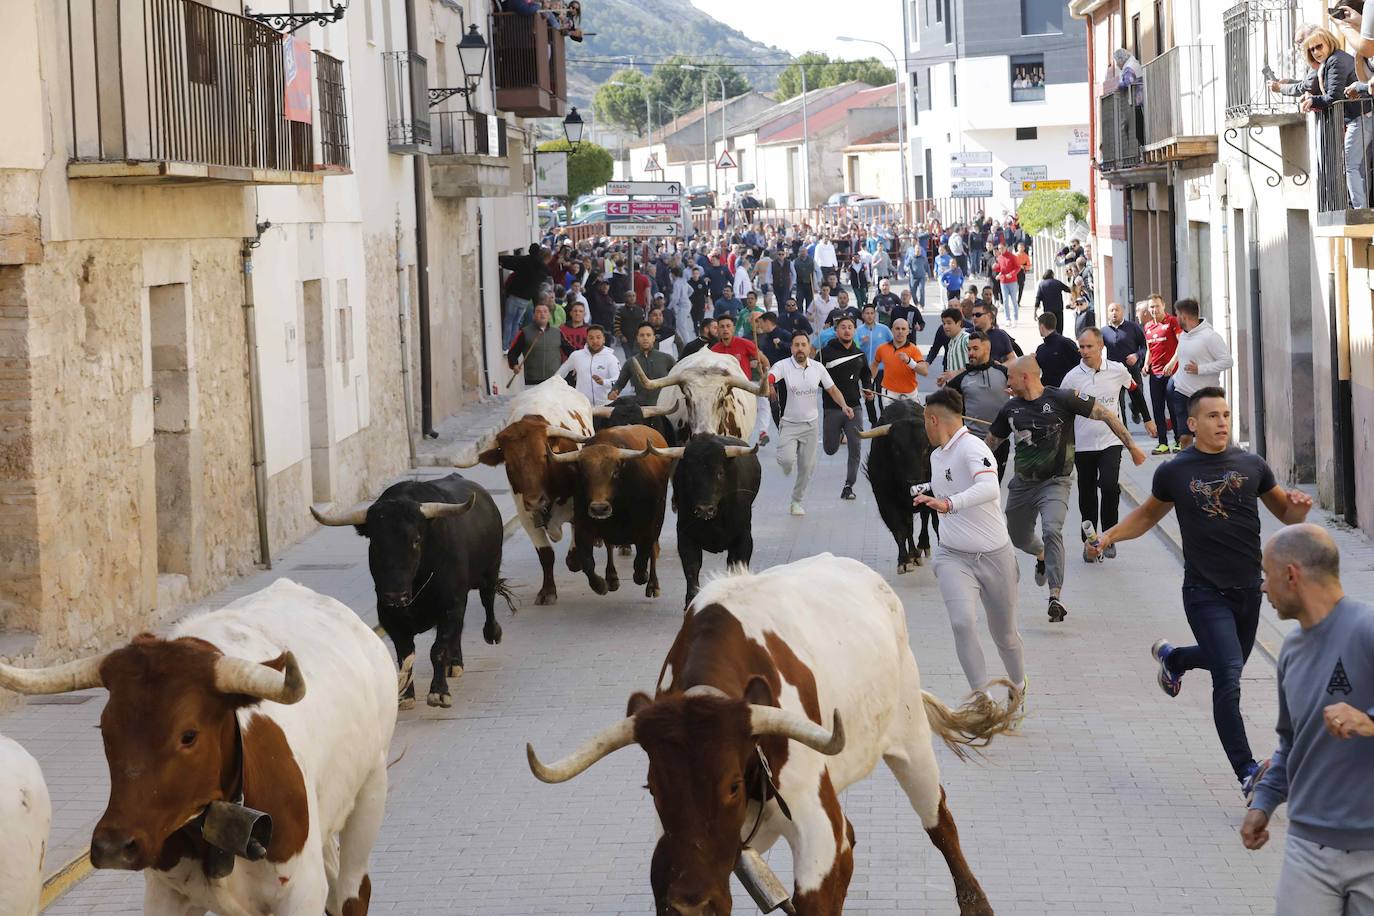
1112,799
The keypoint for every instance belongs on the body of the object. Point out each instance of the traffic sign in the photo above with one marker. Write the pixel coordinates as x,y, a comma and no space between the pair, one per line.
726,161
972,189
645,188
652,165
642,230
972,157
667,209
1019,173
971,171
1059,184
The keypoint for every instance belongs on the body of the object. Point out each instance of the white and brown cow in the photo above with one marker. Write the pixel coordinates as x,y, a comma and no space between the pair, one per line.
706,393
26,816
762,664
284,698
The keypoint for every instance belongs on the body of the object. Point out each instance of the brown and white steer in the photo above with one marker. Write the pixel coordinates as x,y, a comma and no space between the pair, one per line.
762,662
549,416
706,393
284,697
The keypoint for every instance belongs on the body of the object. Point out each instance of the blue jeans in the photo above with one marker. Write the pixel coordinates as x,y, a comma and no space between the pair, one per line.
1011,300
1178,408
918,282
517,310
1357,136
1223,622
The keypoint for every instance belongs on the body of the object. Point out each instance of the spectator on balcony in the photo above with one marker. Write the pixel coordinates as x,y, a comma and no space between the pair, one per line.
1349,24
1335,71
1297,88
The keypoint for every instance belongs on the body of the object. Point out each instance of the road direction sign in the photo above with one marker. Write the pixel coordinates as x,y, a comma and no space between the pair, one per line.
1059,184
972,189
643,230
972,157
971,171
1019,173
645,188
726,161
666,209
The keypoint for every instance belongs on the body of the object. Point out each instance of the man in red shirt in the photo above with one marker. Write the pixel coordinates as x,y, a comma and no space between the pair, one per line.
642,287
1006,268
1161,342
749,356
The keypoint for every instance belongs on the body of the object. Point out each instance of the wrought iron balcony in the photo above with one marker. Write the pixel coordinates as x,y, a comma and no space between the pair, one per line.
332,108
1259,48
407,102
1120,122
530,68
1344,170
174,90
473,156
1180,116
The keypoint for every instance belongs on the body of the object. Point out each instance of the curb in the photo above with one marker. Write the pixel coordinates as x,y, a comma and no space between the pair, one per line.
64,879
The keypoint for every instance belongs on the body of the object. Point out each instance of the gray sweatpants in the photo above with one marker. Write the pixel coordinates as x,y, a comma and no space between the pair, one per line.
1322,881
964,578
1048,501
797,448
836,423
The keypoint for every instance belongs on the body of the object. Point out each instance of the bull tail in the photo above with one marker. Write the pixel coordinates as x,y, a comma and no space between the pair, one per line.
974,724
504,590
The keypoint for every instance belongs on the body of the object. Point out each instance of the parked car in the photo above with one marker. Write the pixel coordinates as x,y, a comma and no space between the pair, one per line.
700,197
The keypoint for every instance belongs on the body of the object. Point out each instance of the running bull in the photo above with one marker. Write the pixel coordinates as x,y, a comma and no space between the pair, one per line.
706,393
898,459
782,689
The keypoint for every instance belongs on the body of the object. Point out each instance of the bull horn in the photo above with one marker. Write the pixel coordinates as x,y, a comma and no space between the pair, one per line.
237,675
78,675
739,451
610,740
447,510
566,457
558,432
706,690
603,411
876,432
674,452
650,412
644,383
470,456
744,384
354,516
769,720
625,454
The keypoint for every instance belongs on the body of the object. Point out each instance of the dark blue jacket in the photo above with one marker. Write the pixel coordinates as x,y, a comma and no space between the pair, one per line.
1056,356
1123,341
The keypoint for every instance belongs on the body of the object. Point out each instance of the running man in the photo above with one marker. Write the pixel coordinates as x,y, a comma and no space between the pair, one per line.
844,361
1214,489
799,428
900,361
1041,421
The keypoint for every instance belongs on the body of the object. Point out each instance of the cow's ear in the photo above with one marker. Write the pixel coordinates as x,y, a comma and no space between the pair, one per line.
491,457
638,700
759,693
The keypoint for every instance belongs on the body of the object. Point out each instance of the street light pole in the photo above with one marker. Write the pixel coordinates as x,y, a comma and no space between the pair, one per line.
723,141
901,114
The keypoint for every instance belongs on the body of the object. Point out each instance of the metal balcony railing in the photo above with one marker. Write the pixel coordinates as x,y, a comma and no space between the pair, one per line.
1179,87
1119,125
1343,166
178,81
529,65
332,107
1259,47
469,133
407,101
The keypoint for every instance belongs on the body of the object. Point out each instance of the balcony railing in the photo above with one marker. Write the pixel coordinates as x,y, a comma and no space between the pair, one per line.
1259,47
530,68
333,112
174,88
1344,167
1120,123
469,133
407,102
1180,117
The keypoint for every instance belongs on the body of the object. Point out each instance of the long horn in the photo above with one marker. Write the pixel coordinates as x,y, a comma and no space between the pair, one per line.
603,411
655,411
558,432
625,454
237,675
706,690
610,740
674,452
354,516
77,675
566,457
769,720
876,432
644,383
470,456
739,451
742,384
447,510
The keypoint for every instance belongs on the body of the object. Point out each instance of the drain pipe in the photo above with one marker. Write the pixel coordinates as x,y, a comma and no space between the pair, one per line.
250,333
1221,179
417,170
402,320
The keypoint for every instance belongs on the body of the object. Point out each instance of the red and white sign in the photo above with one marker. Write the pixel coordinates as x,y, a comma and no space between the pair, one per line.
296,64
726,161
671,209
652,165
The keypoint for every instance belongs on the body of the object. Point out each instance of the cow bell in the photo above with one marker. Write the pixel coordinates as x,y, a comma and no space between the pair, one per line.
758,879
244,832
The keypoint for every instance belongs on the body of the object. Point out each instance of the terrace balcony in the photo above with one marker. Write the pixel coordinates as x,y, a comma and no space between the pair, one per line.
530,66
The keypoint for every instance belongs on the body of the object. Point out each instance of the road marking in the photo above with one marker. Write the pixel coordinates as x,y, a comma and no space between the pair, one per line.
67,877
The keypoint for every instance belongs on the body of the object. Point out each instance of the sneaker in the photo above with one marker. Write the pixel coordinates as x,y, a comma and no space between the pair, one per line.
1175,448
847,492
797,508
1251,780
763,438
1087,555
1110,552
1057,610
1169,682
1160,450
1023,708
1040,577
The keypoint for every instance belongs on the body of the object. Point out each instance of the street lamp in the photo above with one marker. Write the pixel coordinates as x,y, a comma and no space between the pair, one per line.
472,57
572,129
724,143
901,113
290,22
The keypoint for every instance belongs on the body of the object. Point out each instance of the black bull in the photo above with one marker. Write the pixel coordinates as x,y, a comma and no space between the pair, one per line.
430,543
899,458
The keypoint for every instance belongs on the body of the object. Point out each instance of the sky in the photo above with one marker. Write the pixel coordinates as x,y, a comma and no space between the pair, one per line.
811,25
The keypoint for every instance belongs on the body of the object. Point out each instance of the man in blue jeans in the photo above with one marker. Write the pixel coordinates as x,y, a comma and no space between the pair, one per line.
1215,489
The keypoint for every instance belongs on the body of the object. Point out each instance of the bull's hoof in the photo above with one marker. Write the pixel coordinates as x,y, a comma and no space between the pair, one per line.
442,700
455,671
641,576
977,907
598,584
405,703
916,561
546,597
653,591
903,569
613,583
491,632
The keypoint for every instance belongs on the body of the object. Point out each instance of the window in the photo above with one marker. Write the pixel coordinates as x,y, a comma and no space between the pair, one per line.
923,101
1159,27
939,10
1135,35
1042,17
915,90
913,15
953,84
1027,133
1028,78
949,22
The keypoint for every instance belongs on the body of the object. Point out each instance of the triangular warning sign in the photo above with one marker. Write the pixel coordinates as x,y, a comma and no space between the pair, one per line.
1339,682
726,161
652,165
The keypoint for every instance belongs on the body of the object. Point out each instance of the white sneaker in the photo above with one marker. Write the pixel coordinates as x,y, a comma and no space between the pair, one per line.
797,508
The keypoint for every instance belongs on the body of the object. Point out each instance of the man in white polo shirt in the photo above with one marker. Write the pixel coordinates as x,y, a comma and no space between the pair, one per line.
799,430
975,558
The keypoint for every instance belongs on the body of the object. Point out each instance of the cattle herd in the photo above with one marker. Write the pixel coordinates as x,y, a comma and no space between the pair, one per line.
247,748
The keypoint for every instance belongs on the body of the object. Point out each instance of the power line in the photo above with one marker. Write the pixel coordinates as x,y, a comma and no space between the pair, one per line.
639,62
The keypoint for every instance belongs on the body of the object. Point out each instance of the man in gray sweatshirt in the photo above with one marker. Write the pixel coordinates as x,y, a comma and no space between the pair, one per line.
1324,764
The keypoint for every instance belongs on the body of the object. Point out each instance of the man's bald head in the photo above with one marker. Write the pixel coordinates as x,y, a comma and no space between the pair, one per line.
1302,573
1023,377
1308,547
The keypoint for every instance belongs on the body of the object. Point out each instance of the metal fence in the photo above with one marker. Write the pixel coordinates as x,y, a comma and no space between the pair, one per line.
332,105
947,209
1179,86
407,101
1259,47
1343,164
470,133
1120,123
528,53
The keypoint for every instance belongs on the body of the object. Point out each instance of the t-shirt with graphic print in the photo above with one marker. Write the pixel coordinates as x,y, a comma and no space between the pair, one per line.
1043,431
1216,500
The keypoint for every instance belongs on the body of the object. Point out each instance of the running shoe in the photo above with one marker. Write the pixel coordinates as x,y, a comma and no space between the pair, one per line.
1087,555
1160,450
1040,576
1022,709
1169,682
1110,552
763,438
797,508
1175,448
1251,780
847,492
1057,610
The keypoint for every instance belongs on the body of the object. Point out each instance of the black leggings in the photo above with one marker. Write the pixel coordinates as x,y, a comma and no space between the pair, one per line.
1163,407
1099,478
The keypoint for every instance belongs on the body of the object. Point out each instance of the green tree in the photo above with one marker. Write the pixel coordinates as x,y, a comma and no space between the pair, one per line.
679,89
589,167
821,71
623,105
1047,209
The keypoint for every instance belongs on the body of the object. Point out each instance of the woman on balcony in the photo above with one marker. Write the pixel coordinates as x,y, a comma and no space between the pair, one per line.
1335,71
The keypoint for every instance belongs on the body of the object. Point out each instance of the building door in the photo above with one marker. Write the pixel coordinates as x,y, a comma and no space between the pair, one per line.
316,327
1241,388
1301,305
173,424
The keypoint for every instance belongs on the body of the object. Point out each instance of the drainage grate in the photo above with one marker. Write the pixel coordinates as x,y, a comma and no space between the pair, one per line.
65,699
319,567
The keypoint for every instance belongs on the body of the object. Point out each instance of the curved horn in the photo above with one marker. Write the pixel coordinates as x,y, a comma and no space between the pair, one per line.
354,516
739,451
706,690
674,452
566,457
650,412
470,456
743,384
876,432
77,675
769,720
237,675
558,432
644,383
610,740
447,510
625,454
603,411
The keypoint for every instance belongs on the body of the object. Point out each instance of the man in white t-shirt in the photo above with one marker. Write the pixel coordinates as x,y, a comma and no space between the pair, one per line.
975,558
799,430
595,365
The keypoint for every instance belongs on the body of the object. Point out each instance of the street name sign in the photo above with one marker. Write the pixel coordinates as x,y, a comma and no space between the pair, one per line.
644,230
645,188
667,209
972,157
971,171
972,189
1059,184
1019,173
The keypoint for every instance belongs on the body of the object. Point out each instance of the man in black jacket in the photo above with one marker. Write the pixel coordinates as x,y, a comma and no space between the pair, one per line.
706,337
1056,353
1124,340
848,369
528,273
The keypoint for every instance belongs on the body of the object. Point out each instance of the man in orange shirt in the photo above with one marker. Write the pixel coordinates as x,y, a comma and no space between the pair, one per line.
901,361
1023,261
